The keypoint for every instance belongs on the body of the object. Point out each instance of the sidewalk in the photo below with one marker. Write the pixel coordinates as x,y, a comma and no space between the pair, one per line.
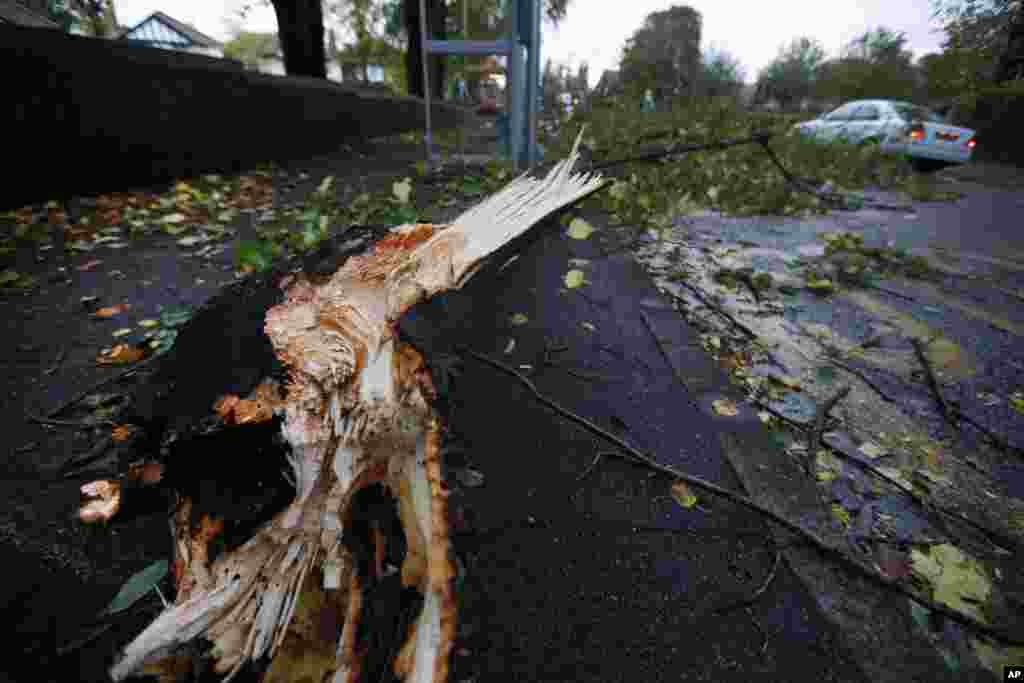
578,566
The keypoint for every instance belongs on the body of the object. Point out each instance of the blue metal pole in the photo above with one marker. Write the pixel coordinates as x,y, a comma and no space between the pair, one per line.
532,82
514,88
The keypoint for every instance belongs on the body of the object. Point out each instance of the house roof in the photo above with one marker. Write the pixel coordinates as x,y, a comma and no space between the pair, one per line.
12,12
160,29
609,81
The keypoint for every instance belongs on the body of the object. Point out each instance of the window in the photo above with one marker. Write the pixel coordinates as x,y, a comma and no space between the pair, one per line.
911,112
868,112
844,113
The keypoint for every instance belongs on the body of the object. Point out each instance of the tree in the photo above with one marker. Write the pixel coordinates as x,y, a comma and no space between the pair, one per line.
361,414
993,29
790,78
721,73
300,29
663,55
250,47
873,65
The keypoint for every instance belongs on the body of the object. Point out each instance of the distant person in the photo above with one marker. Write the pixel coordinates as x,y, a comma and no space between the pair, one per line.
647,103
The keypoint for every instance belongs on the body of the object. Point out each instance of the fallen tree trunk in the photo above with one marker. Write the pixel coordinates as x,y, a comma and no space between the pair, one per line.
359,423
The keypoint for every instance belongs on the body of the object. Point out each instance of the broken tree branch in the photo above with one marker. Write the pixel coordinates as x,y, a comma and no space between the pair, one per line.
933,383
631,454
814,435
74,400
714,307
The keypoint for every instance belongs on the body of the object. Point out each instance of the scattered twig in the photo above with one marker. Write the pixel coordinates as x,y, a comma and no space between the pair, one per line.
933,383
631,454
814,436
752,598
76,424
714,307
85,640
894,293
589,468
864,378
76,463
57,362
99,385
675,149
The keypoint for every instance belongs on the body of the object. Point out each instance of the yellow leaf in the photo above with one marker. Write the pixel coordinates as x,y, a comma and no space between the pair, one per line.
122,332
402,190
1017,401
519,319
957,579
149,322
579,229
683,495
871,450
574,279
724,406
325,185
841,514
829,466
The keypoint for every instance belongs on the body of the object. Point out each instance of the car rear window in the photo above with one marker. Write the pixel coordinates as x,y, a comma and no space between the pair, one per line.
911,112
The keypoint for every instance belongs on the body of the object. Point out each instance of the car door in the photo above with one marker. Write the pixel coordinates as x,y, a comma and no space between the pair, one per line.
865,124
833,125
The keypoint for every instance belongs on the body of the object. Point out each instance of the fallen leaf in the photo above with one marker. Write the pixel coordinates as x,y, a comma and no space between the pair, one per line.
574,279
89,265
174,218
785,381
120,355
840,513
120,433
149,322
1017,401
325,185
146,472
9,278
251,411
579,262
121,332
821,286
589,327
579,229
826,374
956,579
724,406
193,240
682,494
136,588
995,657
111,311
872,450
402,190
892,561
519,319
829,466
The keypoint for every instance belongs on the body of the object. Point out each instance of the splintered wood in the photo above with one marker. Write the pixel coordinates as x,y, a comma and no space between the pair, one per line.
357,411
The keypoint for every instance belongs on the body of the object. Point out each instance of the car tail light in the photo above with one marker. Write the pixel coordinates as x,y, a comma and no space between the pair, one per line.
971,143
916,132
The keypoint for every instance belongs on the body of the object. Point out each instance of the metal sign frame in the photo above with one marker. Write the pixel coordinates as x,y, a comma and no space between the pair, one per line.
522,75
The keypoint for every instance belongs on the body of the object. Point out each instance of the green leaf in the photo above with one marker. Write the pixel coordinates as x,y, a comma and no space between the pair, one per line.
921,615
826,374
579,229
135,588
574,279
9,278
255,254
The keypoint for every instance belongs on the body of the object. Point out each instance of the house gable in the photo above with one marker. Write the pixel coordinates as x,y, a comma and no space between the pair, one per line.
161,30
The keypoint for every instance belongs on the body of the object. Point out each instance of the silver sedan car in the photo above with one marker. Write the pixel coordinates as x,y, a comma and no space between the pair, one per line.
899,127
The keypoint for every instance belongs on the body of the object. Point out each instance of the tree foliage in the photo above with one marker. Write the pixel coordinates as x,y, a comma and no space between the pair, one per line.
721,73
791,76
663,55
873,65
990,29
249,47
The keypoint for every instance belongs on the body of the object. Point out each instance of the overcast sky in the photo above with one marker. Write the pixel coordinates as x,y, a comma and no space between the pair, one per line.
595,30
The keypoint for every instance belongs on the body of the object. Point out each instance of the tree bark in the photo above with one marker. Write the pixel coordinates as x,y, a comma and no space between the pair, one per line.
436,15
300,27
1011,61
